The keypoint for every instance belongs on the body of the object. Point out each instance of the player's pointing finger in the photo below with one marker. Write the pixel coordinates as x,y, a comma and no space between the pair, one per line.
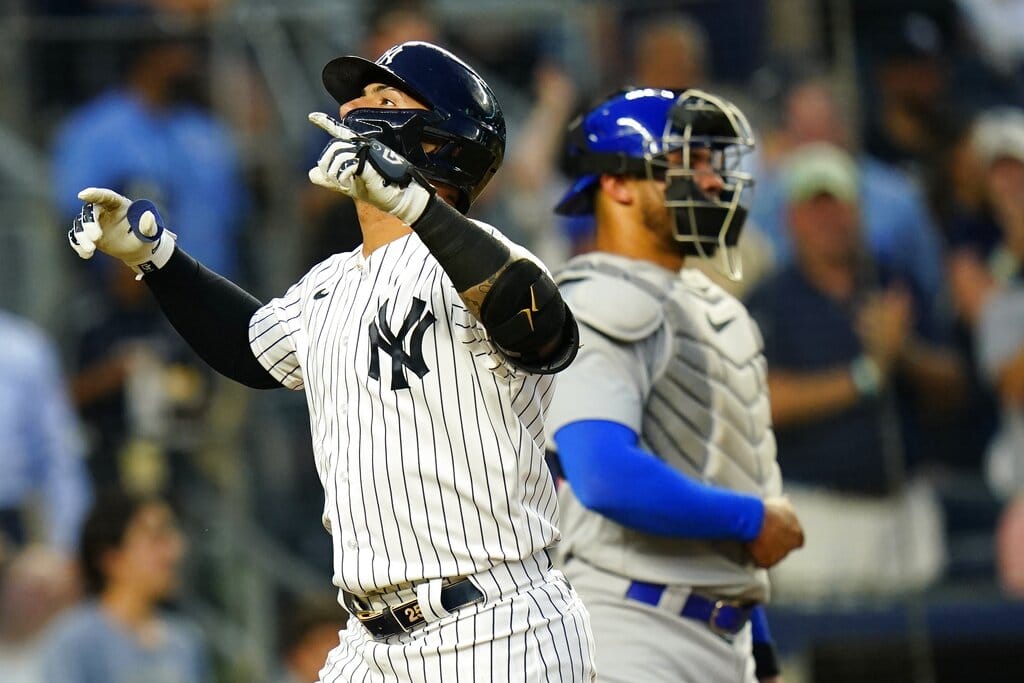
333,127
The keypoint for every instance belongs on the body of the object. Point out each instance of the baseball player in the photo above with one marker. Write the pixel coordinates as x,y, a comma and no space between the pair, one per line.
426,356
672,510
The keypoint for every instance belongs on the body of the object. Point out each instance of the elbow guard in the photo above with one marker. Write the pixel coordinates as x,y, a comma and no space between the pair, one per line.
525,315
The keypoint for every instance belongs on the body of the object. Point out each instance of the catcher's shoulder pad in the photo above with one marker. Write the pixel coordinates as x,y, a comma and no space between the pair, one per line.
613,305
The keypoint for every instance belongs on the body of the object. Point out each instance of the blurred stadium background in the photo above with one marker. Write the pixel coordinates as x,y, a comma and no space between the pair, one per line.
236,463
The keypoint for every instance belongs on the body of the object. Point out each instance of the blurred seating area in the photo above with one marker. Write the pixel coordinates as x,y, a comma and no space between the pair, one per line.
885,241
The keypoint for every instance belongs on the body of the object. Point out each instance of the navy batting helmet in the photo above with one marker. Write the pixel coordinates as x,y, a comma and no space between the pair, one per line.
648,133
462,123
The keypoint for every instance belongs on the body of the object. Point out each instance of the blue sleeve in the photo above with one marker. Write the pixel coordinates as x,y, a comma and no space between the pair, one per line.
611,475
759,626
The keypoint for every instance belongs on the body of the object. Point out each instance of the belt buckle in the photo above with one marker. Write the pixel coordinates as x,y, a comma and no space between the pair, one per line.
360,608
713,619
362,611
364,614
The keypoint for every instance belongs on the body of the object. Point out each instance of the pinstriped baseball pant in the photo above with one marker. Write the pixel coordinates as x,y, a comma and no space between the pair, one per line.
530,627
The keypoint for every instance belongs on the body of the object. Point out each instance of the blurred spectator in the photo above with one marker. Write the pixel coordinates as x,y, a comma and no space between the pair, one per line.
310,632
982,251
140,391
1010,548
853,357
996,27
130,554
1000,307
894,216
671,51
909,69
734,31
958,200
531,183
898,233
35,586
976,261
175,151
42,474
397,22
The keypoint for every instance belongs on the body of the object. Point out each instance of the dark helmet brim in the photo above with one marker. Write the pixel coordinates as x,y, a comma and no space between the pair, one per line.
579,199
345,78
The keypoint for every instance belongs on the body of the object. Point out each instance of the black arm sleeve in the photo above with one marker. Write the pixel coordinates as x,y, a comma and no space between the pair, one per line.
212,314
766,661
522,310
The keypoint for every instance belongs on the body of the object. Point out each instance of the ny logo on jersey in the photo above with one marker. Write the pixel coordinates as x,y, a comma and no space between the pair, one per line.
382,338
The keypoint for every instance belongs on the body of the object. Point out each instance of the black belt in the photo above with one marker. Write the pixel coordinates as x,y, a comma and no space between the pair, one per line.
721,616
403,618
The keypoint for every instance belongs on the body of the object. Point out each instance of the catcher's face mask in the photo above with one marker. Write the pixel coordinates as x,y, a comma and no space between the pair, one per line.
706,223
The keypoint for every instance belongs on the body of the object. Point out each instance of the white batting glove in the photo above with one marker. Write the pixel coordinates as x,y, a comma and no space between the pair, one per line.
366,170
106,223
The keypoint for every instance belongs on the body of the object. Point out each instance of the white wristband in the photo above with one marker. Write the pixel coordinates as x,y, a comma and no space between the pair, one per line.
157,257
866,375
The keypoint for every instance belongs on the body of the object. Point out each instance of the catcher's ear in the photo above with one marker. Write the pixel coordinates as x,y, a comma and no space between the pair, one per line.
617,188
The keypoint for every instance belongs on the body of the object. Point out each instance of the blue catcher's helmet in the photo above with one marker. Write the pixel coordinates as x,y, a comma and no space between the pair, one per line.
462,121
648,133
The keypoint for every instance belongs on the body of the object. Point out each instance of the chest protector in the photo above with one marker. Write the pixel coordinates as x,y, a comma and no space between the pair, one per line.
706,414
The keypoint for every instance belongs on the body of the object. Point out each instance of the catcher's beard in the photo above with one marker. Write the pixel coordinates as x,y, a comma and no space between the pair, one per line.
658,219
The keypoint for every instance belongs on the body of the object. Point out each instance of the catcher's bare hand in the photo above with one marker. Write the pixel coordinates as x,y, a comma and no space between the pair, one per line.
780,534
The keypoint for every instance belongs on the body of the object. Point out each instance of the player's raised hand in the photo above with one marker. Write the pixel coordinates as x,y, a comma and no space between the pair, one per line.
366,170
130,231
780,534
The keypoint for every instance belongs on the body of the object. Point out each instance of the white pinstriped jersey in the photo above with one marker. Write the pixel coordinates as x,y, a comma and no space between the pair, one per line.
429,445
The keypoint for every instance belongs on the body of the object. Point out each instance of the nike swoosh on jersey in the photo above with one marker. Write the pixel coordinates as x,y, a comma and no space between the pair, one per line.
321,294
719,326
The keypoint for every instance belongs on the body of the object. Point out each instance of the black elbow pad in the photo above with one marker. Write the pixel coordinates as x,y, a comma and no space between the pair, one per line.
524,311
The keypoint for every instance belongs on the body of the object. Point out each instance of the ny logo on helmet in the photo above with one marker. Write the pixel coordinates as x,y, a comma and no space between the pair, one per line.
383,339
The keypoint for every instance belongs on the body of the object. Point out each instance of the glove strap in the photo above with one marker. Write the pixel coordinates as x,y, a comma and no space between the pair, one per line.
156,257
398,171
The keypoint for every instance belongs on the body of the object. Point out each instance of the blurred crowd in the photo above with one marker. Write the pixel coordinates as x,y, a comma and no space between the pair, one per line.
883,259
